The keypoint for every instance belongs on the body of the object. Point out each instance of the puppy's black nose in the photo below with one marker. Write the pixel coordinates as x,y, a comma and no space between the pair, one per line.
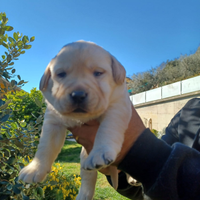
78,96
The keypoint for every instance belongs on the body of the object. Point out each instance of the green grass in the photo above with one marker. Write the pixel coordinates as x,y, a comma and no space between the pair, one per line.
70,160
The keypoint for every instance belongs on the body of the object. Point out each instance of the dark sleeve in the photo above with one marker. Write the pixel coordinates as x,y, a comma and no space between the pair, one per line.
166,172
171,132
184,125
129,191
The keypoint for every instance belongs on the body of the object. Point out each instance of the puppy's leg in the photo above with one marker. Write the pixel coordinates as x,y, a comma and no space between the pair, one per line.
51,141
88,180
110,137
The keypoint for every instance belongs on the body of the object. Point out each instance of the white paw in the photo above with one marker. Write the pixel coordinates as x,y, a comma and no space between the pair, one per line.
34,172
87,195
99,158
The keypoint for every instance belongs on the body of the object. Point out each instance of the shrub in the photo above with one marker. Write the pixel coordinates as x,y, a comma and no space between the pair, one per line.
21,116
60,186
57,185
26,106
17,138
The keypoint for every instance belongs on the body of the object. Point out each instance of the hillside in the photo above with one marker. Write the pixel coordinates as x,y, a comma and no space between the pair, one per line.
168,72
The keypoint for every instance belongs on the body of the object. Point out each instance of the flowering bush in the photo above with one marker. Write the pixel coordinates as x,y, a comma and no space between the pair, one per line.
58,185
61,186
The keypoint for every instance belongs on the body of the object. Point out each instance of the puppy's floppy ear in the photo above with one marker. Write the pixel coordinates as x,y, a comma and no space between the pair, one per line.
46,85
118,71
45,78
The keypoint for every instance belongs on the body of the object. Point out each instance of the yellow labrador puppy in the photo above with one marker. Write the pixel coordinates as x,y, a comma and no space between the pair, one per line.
83,82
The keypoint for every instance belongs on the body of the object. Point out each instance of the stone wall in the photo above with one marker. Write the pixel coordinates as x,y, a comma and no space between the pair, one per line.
162,103
161,112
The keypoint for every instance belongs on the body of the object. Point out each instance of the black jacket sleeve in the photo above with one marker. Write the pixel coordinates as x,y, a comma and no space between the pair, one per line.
166,172
184,125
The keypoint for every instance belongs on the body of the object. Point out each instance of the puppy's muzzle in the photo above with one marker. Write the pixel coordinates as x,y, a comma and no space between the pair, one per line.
78,98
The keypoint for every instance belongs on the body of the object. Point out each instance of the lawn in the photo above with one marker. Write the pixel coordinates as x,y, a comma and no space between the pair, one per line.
69,158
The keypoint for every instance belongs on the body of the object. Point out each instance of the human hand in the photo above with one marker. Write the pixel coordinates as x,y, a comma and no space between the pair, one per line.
85,135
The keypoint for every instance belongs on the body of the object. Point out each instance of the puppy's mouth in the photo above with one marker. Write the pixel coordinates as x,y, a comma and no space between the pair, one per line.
79,110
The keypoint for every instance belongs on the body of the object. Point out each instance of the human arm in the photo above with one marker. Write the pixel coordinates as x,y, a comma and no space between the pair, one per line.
166,172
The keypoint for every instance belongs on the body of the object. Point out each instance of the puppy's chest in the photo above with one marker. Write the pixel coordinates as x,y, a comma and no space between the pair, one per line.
70,122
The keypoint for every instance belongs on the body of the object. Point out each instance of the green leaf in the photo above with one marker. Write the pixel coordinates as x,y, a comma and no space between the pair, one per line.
4,182
39,120
11,160
19,144
2,32
40,191
11,39
9,68
9,58
21,97
16,190
13,71
15,35
4,105
4,19
25,39
38,102
4,118
21,82
13,83
12,63
21,165
27,46
14,125
25,197
6,153
22,52
9,187
23,124
5,45
18,76
3,56
13,175
53,182
2,102
16,55
32,39
8,28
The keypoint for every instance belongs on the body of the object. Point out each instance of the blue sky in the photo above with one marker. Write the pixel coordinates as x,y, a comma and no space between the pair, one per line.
140,34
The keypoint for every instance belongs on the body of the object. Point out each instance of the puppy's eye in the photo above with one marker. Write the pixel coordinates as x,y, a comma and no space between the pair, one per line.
62,74
96,73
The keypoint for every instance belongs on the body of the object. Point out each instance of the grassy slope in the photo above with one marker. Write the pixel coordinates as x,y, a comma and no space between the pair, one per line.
69,157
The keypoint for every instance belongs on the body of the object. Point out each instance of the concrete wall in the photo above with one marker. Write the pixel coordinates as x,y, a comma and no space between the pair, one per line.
161,104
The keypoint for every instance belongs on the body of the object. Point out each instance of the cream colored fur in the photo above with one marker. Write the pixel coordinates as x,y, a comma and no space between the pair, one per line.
107,101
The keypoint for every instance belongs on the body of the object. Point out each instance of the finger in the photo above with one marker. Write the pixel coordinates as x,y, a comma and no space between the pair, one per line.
91,123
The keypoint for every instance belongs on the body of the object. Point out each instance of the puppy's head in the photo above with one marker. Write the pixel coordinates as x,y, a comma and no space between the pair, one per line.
81,79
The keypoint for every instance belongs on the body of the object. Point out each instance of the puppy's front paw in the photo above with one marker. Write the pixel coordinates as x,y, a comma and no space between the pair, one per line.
34,172
99,158
87,195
